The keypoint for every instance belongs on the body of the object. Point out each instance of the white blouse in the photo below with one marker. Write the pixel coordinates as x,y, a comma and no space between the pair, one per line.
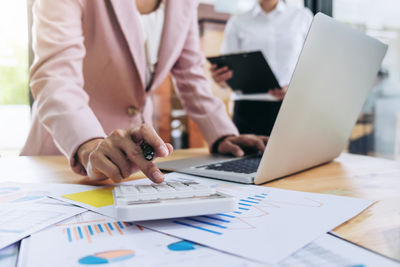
152,28
278,34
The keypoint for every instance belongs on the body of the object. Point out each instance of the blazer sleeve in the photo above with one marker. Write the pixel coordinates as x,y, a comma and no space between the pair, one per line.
195,92
56,76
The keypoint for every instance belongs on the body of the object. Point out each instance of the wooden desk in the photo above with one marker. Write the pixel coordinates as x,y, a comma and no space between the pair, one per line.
377,228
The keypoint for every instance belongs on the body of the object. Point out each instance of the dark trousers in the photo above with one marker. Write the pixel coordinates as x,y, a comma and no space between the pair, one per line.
255,117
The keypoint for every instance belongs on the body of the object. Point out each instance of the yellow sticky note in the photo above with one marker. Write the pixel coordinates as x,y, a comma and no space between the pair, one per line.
97,198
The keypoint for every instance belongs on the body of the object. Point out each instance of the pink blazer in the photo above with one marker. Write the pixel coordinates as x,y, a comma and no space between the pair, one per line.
88,76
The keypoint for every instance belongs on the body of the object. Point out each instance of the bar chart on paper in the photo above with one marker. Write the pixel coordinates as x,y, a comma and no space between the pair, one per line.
89,231
247,209
95,241
278,222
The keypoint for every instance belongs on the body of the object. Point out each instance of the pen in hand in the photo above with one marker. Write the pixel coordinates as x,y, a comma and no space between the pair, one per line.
148,151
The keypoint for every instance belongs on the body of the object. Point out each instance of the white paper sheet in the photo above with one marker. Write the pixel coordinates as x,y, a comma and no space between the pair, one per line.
268,225
24,210
92,238
331,251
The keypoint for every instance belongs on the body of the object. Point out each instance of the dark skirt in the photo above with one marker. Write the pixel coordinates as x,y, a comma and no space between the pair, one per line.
255,117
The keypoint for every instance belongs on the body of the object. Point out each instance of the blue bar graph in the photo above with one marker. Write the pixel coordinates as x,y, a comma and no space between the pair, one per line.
226,215
205,222
248,201
198,227
69,235
217,219
80,232
90,230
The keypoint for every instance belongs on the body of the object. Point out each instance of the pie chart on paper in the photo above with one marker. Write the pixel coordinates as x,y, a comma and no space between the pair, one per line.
105,257
183,246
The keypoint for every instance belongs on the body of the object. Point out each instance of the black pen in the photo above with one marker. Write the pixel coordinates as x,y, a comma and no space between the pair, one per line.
148,151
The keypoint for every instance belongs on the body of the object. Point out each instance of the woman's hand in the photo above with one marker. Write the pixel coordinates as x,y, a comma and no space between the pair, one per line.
279,93
221,75
119,155
236,145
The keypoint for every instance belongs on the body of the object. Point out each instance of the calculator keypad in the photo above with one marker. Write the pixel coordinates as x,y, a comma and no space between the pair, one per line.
169,190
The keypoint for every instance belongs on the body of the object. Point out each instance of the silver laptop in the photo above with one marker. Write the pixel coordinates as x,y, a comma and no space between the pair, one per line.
334,74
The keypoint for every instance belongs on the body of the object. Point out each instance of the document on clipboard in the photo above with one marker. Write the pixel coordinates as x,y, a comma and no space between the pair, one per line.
251,72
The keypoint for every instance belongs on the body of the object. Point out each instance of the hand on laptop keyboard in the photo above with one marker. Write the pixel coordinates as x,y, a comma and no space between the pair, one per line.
238,145
245,165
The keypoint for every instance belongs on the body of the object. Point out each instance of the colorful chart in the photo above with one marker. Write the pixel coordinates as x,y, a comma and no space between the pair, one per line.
248,208
87,232
107,257
183,246
215,224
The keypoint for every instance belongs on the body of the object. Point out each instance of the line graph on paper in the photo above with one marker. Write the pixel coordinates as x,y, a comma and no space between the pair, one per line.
248,212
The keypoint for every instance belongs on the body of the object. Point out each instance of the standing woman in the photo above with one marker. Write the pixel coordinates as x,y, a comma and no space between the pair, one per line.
96,65
279,32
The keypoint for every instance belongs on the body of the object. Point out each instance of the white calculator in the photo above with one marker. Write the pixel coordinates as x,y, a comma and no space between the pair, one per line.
168,200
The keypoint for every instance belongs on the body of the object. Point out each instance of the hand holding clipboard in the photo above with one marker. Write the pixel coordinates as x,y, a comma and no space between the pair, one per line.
252,74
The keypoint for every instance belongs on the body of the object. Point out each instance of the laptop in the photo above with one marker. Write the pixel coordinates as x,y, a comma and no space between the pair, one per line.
333,76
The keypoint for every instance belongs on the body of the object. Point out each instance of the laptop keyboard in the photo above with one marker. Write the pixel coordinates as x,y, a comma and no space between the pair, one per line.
244,165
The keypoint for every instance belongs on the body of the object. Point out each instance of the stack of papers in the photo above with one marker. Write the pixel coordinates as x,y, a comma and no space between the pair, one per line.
270,227
25,210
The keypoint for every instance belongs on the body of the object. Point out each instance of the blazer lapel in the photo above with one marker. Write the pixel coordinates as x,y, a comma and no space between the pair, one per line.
128,19
175,24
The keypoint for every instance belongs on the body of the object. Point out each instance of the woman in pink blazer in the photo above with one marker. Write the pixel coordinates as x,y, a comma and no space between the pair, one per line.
88,80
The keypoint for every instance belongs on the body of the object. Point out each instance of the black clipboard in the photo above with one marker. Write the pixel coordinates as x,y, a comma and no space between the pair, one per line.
251,72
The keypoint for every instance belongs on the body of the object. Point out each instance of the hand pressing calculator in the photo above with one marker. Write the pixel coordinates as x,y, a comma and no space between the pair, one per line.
168,200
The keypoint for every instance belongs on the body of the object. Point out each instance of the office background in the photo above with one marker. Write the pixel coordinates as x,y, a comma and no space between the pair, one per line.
377,132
